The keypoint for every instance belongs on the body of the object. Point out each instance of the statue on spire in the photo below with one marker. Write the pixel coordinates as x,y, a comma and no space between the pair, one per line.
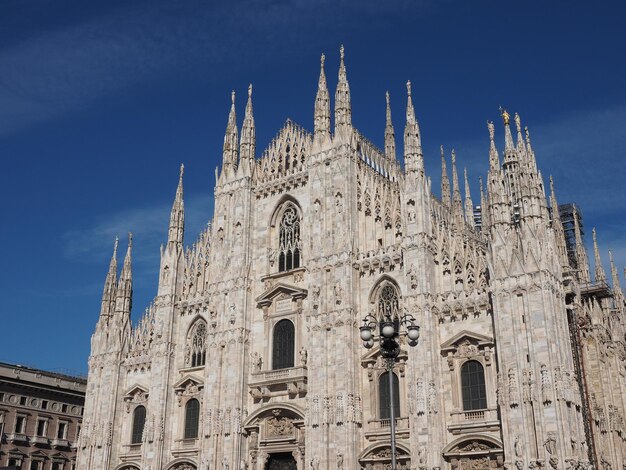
492,131
506,117
343,106
321,117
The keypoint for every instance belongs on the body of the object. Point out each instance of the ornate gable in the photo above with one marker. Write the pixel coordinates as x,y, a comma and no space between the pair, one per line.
188,386
467,345
136,395
280,291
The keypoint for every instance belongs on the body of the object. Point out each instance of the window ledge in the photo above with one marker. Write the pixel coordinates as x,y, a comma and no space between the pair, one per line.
191,369
278,275
60,443
17,437
40,440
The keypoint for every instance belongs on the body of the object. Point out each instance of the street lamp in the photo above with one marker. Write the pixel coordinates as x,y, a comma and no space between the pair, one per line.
388,334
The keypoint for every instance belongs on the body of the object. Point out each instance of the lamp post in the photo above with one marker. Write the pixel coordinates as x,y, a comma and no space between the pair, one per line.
387,336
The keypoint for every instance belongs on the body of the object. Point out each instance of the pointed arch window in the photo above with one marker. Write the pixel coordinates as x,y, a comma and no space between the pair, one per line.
473,386
384,409
283,345
289,240
389,305
197,345
192,418
139,422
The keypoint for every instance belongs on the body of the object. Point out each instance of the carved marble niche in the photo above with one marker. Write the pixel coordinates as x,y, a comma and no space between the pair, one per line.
275,429
188,387
479,453
137,395
468,346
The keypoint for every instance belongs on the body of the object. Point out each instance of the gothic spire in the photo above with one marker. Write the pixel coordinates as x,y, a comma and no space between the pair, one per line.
177,216
582,261
494,159
520,141
343,107
248,136
413,157
457,202
390,135
108,294
484,210
445,182
229,158
469,204
557,226
125,282
508,138
617,288
528,146
600,275
321,117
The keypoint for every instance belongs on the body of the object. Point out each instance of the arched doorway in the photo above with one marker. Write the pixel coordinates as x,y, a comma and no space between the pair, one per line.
274,438
281,461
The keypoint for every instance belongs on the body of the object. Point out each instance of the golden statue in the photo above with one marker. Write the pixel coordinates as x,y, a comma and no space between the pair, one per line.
506,117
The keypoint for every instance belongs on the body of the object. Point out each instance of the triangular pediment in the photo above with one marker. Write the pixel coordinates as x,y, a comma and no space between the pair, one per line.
136,390
464,335
15,451
188,382
38,454
280,291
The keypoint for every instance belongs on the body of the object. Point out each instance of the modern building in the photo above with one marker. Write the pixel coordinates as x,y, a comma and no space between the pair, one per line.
40,418
250,355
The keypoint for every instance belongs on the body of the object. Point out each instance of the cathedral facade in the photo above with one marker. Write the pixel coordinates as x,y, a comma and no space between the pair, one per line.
250,355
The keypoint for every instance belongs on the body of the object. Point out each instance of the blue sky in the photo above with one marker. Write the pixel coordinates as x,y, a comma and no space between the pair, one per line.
101,101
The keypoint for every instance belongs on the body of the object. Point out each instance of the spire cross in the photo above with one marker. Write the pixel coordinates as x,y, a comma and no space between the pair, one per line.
408,87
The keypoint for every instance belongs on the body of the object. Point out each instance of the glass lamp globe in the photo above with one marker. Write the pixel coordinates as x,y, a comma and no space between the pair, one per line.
413,332
366,333
388,330
368,344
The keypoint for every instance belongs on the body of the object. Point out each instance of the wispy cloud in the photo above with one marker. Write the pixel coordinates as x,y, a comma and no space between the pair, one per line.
93,243
60,70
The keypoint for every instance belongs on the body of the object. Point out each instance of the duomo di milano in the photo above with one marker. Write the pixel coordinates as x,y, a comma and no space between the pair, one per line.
250,358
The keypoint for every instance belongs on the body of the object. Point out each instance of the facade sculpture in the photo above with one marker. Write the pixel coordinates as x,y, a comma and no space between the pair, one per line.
250,352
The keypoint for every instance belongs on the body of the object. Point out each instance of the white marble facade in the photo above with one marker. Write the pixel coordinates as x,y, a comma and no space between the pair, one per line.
250,357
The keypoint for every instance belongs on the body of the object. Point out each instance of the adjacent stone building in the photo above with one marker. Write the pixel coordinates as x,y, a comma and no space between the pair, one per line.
40,418
250,356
